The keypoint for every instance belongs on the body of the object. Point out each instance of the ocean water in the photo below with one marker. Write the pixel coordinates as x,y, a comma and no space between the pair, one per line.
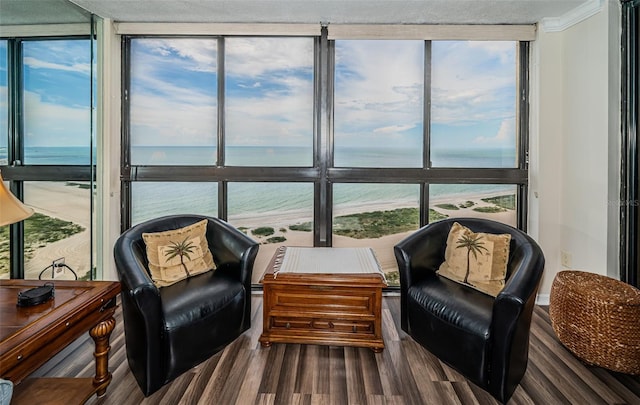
152,199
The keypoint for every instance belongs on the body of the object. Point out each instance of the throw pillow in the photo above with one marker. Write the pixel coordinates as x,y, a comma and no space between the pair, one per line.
478,260
178,254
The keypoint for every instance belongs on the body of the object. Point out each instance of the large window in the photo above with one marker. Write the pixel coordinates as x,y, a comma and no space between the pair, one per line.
269,101
46,153
322,142
379,103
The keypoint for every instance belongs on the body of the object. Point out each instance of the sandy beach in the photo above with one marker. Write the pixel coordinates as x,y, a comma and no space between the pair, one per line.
383,246
72,204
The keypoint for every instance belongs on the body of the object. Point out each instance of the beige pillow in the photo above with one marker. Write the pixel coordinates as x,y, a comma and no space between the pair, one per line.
487,267
178,254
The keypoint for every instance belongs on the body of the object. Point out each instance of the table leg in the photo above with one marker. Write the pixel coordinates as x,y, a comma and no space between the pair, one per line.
100,334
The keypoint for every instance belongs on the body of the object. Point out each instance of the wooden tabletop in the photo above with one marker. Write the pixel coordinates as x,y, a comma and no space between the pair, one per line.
31,335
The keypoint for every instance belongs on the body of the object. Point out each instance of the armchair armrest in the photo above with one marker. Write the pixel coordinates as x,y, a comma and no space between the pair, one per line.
232,250
511,318
418,255
143,309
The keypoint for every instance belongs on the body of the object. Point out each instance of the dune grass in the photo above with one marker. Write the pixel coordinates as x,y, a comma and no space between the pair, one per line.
39,230
374,224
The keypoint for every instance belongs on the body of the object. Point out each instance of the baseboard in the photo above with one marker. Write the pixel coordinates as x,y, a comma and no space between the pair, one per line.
542,299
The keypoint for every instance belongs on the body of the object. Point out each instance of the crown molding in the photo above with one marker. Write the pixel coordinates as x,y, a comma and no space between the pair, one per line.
572,17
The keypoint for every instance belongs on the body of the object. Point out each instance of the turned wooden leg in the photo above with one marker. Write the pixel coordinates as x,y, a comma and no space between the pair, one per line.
100,334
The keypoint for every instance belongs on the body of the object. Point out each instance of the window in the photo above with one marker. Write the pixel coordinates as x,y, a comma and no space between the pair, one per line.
473,104
378,103
331,142
273,214
269,101
173,108
48,98
154,199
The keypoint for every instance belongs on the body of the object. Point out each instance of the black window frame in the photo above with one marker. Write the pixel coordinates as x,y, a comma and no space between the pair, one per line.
16,171
322,173
630,137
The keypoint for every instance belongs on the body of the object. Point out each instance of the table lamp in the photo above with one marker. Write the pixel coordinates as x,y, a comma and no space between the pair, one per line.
12,210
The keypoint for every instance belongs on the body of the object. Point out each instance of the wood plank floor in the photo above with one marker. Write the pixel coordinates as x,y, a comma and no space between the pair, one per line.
404,373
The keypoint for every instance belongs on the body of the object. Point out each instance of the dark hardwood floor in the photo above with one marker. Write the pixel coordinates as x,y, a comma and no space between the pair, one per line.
404,373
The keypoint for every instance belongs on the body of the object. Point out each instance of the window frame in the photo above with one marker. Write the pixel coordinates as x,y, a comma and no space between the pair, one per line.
629,254
16,172
323,174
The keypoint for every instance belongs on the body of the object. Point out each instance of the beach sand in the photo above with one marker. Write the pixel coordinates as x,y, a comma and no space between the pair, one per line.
72,204
383,246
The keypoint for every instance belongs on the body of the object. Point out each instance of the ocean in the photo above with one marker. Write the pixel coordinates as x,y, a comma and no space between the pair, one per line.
152,199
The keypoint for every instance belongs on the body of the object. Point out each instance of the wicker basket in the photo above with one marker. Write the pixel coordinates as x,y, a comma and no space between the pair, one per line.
598,319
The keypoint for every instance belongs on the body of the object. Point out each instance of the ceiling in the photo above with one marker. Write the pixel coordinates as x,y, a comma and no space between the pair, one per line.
292,11
27,12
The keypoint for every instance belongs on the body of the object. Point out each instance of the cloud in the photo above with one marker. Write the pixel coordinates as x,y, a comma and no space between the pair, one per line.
271,102
506,134
55,124
192,54
254,57
394,128
379,89
34,63
473,81
158,120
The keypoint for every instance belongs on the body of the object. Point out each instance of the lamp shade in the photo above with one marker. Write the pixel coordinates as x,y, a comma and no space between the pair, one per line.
11,209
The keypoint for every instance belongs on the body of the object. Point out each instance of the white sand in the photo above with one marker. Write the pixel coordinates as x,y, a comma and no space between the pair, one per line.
70,203
73,204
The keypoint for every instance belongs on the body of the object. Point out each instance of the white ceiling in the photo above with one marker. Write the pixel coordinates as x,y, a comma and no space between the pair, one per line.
292,11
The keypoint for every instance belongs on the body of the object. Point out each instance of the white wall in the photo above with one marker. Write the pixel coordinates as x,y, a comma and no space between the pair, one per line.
108,172
574,144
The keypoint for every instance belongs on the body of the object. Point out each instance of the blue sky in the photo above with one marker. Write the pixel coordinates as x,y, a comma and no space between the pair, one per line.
378,93
269,92
56,92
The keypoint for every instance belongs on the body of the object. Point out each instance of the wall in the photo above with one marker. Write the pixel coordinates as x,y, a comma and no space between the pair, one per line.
574,142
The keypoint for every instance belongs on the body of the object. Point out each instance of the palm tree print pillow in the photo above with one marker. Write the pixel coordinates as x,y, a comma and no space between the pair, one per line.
478,260
178,254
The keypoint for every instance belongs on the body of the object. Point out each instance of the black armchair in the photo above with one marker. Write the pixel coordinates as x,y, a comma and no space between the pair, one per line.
486,339
172,329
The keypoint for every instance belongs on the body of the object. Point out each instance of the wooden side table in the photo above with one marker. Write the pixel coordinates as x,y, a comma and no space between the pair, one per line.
341,309
30,336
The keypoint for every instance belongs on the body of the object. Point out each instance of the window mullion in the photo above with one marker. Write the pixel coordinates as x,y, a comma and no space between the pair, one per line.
324,144
427,106
222,185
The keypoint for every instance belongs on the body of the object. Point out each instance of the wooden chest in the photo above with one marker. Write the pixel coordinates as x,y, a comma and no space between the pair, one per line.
327,309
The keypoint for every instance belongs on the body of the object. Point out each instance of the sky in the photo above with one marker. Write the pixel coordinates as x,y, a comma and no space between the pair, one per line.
57,95
378,101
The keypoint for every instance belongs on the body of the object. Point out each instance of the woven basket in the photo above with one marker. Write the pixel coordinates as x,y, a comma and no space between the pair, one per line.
598,319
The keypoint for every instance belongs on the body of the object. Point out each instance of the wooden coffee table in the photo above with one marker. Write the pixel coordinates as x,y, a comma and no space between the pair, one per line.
332,308
30,336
